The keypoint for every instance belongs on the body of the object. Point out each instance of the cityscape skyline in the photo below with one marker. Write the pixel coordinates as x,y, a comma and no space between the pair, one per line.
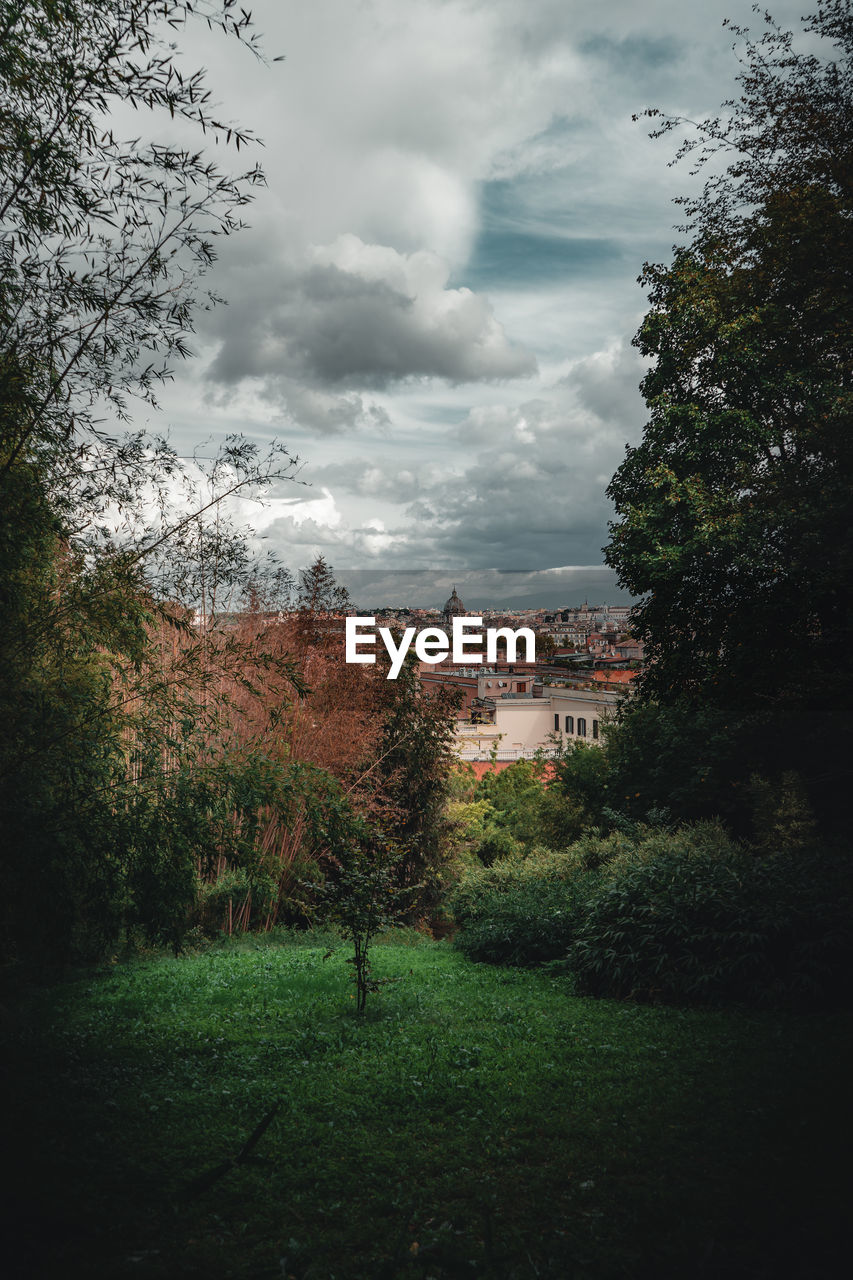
487,589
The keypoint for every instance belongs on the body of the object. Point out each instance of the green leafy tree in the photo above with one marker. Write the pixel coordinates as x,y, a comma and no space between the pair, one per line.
360,896
516,795
671,758
578,796
103,238
412,765
103,241
468,822
733,512
545,646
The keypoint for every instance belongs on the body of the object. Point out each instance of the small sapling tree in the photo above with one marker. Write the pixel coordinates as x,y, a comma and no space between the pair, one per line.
360,897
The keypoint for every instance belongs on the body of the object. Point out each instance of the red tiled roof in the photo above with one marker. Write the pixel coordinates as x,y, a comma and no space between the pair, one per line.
482,767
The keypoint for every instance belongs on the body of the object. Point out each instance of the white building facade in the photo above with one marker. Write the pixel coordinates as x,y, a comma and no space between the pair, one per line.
525,724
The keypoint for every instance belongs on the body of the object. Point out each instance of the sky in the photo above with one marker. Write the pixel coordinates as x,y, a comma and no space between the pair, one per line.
435,302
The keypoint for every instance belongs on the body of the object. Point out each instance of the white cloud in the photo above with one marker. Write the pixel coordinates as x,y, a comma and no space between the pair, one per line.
401,140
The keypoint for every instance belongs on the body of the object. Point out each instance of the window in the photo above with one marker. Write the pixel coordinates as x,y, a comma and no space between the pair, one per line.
570,724
556,724
581,727
595,728
522,687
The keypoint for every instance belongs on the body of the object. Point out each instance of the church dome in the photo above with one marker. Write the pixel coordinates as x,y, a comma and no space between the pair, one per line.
454,608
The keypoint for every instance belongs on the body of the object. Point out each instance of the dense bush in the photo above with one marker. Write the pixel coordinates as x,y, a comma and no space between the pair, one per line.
524,911
695,918
691,761
234,902
689,916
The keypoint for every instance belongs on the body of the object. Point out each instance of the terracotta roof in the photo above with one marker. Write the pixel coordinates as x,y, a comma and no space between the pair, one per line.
482,767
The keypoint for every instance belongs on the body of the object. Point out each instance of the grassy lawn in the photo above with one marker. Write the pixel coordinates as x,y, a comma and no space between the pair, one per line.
476,1122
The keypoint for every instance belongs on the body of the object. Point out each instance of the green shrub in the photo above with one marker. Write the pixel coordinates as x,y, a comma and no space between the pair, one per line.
781,815
497,845
233,901
686,917
526,925
578,795
524,910
693,917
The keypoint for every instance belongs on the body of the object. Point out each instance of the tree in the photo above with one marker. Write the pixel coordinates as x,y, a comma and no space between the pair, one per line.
578,797
319,592
516,795
318,596
412,765
733,512
546,645
103,243
360,896
103,238
109,693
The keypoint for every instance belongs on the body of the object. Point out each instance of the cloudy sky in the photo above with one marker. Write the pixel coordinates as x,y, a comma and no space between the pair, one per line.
435,302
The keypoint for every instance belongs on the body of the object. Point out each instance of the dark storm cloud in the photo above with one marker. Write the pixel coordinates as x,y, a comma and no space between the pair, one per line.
370,320
321,412
548,521
510,485
370,479
536,492
533,493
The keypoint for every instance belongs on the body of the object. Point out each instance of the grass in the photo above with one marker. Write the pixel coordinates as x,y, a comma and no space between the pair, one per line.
476,1121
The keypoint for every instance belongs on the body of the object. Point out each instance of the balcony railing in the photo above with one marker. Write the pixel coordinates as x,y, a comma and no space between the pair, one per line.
506,753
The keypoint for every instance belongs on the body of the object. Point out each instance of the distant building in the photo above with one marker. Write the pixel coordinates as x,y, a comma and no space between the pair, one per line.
481,683
454,608
515,726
